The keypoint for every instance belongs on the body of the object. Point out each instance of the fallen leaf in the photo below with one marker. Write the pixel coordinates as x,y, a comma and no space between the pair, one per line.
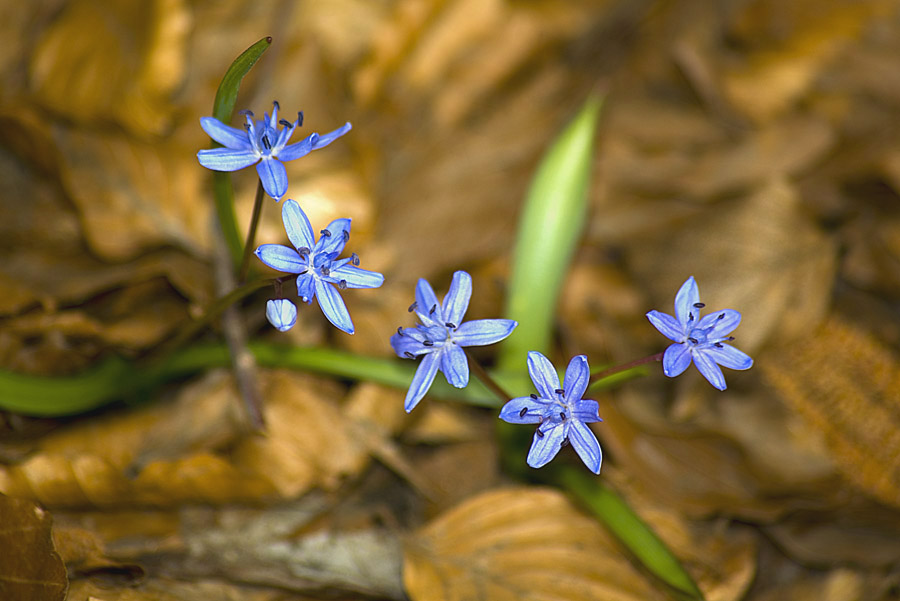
30,568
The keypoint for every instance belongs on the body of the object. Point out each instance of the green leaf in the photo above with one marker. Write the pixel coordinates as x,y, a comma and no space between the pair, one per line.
223,108
549,230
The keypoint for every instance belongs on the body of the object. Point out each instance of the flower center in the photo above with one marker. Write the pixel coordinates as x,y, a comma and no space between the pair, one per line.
698,337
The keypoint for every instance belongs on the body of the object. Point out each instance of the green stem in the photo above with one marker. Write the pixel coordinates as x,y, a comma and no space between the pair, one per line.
251,233
609,371
223,194
486,379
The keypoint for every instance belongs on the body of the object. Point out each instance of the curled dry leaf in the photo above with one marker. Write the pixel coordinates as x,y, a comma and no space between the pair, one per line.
521,543
30,568
848,386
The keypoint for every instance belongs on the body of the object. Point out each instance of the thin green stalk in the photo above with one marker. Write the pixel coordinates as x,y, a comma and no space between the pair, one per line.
610,371
251,232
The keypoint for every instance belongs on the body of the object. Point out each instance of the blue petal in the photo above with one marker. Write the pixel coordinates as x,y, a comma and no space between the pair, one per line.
543,374
676,359
421,382
687,296
297,225
720,326
457,299
326,139
480,332
585,444
544,449
230,137
335,241
575,382
333,306
667,325
225,159
297,149
306,288
425,300
729,357
454,365
273,176
587,411
281,258
707,366
408,344
356,277
534,410
281,313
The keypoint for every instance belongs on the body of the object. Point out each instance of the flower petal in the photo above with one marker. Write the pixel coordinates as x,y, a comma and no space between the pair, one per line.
575,382
281,258
534,410
729,357
667,325
720,326
333,306
297,149
230,137
296,224
408,344
356,277
333,242
707,366
545,448
480,332
586,411
226,159
421,382
281,313
457,299
273,176
454,365
306,288
585,444
325,139
676,359
425,300
687,295
543,374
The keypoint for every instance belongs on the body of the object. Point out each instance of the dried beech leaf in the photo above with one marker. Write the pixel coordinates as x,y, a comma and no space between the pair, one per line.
30,568
124,70
519,544
848,386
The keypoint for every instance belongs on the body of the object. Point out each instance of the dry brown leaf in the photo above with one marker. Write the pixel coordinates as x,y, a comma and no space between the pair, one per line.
30,568
162,589
124,70
522,544
848,386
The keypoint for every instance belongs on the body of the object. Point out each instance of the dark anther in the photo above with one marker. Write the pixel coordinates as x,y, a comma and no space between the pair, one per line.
342,284
699,305
346,235
399,330
408,355
450,325
246,112
539,433
299,118
354,258
325,233
564,443
534,396
303,252
690,317
412,307
432,309
247,126
325,270
562,415
560,391
717,345
266,143
428,343
276,105
523,411
285,123
721,316
694,340
730,338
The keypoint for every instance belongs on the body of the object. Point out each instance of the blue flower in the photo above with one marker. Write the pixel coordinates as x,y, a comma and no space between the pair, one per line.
699,339
261,141
281,313
559,411
317,265
440,336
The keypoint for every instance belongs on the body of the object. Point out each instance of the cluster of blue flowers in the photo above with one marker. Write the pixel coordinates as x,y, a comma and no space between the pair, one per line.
559,410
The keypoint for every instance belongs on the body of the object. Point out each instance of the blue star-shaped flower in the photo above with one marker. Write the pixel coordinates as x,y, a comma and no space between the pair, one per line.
559,411
699,339
317,265
262,142
440,336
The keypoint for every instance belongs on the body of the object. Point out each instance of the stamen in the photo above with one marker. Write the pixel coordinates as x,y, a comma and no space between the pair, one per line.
694,340
718,345
325,233
730,338
245,112
432,309
562,415
346,235
450,325
276,105
534,396
325,270
721,316
342,284
285,123
564,443
560,391
299,118
399,330
247,126
690,317
408,355
699,305
354,258
428,342
412,307
523,411
266,143
539,433
303,252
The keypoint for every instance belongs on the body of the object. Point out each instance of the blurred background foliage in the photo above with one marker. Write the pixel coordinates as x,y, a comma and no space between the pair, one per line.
753,144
